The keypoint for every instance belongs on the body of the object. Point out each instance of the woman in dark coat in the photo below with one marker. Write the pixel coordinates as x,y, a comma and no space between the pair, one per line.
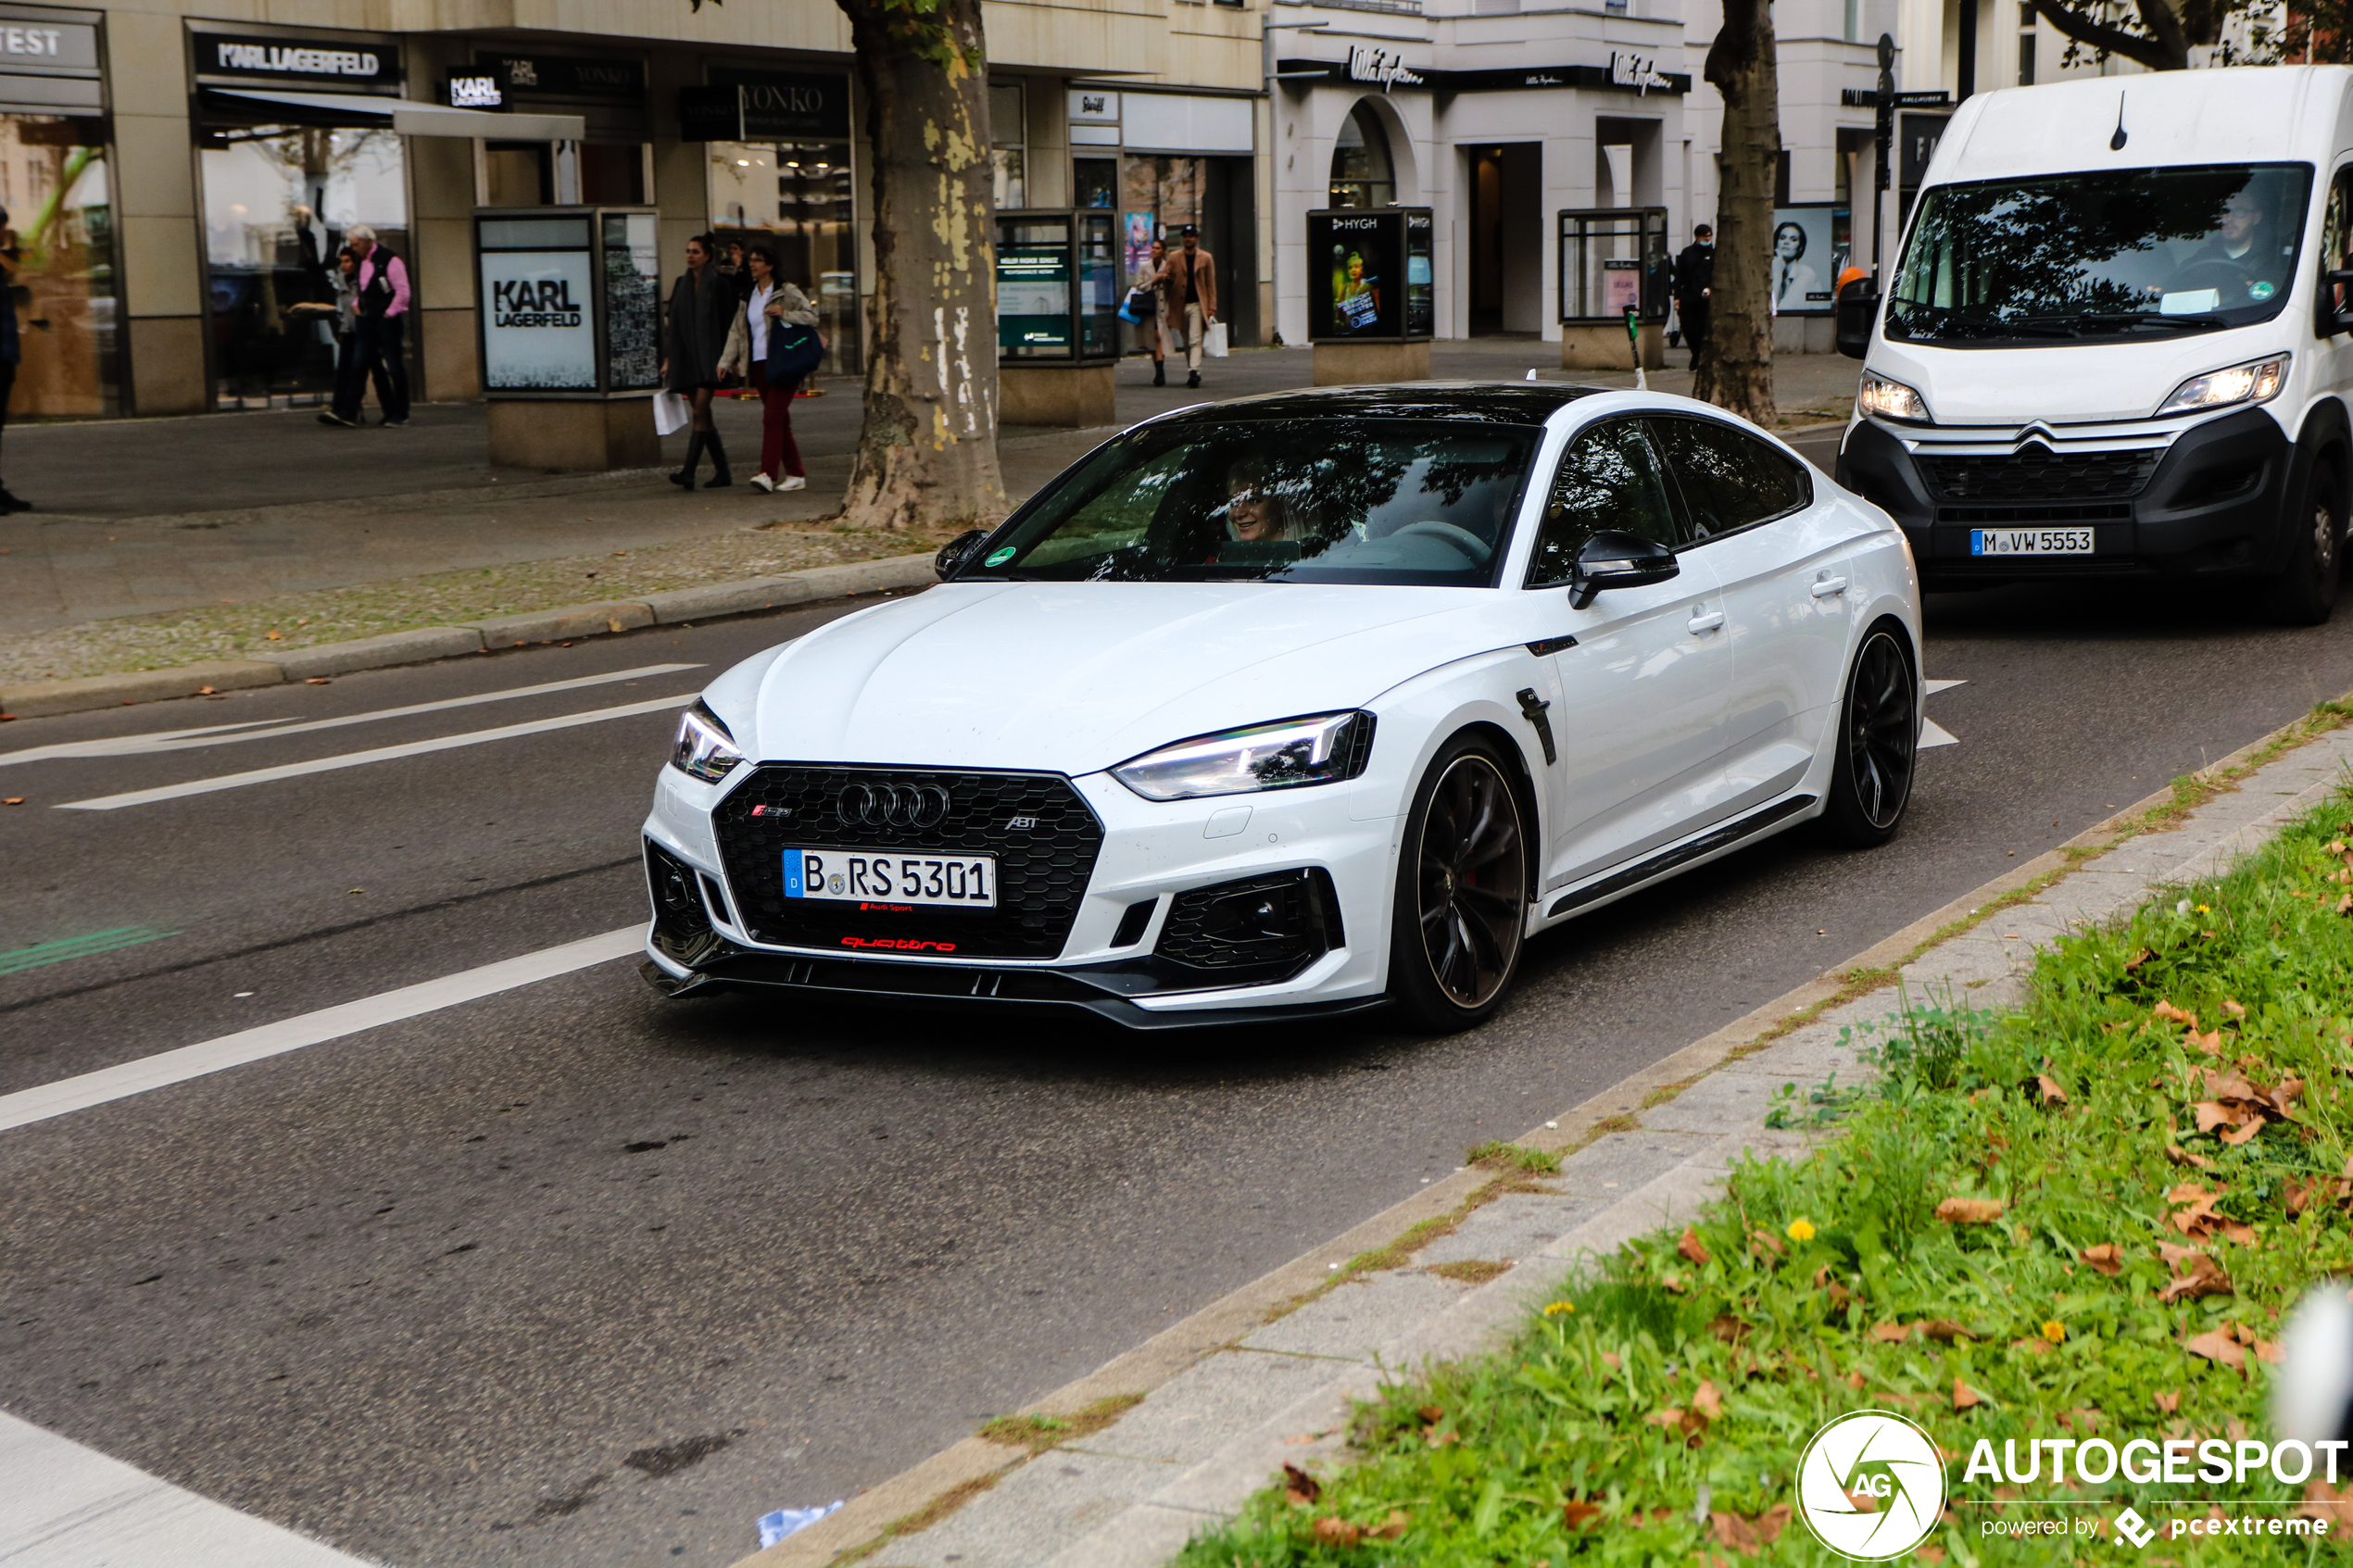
703,305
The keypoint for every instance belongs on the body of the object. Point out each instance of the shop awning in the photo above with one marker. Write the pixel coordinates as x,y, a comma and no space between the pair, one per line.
408,118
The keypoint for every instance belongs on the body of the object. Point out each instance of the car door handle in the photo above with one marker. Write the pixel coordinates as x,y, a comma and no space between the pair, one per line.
1825,586
1705,621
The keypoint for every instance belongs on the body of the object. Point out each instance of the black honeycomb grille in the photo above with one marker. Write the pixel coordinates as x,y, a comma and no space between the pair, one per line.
2037,473
1042,869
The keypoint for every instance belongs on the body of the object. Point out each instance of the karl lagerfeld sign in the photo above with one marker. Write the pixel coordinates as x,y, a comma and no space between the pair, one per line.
313,60
538,332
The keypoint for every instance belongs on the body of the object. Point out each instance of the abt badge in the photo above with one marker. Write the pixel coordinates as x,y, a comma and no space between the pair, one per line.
1021,824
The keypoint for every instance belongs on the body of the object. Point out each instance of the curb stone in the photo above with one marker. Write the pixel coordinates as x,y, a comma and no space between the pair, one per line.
1220,1416
568,623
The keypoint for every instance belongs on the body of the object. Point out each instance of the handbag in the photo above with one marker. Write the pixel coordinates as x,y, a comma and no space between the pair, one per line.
794,353
1137,308
670,413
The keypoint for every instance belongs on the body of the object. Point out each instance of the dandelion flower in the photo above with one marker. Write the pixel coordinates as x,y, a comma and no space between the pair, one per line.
1801,1230
2053,1331
1555,1309
2206,909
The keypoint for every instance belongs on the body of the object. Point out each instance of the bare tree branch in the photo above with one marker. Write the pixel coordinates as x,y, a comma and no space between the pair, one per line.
2083,28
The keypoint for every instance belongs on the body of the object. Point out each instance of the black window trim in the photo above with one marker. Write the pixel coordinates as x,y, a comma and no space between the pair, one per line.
1805,478
1640,418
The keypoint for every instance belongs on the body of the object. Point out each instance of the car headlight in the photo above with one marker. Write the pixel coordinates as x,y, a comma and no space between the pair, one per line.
2257,381
1887,399
1323,749
705,749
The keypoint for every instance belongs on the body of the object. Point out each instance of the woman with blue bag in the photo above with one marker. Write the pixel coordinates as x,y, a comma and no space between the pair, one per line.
775,343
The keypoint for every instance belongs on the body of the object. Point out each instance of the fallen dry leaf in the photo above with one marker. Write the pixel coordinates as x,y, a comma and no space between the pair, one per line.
1431,1414
12,800
2170,1403
1579,1514
2052,1093
2181,1156
2080,1420
1337,1532
1708,1402
1762,1240
1929,1553
1689,1248
2324,1502
203,691
1963,1395
2219,1347
2211,1042
2172,1015
2107,1258
2196,1218
1891,1333
1299,1486
1969,1210
315,680
1390,1529
2202,1276
2140,956
2232,1007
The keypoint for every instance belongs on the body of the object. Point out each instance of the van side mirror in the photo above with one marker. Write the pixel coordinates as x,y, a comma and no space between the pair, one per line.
2341,280
1613,559
1856,308
957,551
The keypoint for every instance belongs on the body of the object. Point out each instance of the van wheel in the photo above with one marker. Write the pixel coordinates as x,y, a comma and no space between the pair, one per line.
1878,731
2305,594
1462,893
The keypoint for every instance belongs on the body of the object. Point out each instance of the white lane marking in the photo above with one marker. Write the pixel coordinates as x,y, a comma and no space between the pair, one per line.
1936,686
66,1506
120,1081
360,759
182,740
1935,735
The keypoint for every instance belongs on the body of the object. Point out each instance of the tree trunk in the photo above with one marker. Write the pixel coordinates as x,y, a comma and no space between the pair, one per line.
927,449
1738,370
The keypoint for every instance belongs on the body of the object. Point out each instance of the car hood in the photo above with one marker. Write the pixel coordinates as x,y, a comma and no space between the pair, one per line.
2063,383
1075,677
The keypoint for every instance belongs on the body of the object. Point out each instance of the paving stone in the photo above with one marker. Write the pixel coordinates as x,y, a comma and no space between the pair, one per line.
1355,1320
1622,1162
1513,1227
1196,1413
1034,1512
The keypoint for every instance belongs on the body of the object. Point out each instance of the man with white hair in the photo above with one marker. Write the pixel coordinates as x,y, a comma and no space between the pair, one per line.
382,283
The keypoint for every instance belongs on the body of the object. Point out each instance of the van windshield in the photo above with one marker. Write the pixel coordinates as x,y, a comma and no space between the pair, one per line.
2126,253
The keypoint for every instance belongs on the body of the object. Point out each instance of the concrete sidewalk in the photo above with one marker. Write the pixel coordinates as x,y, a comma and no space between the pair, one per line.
181,517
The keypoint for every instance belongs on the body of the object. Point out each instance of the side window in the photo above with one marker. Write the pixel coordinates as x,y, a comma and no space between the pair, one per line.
1729,478
1610,478
2336,252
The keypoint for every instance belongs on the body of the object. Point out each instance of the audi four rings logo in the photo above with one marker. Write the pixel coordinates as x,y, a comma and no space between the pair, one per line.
892,805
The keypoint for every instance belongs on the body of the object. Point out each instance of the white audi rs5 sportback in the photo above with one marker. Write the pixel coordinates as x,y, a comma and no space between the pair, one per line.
1301,704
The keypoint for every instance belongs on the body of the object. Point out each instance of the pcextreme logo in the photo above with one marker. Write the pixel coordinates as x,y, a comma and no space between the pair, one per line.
1870,1486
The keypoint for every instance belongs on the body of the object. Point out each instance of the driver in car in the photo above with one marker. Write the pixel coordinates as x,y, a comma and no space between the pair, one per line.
2234,254
1253,511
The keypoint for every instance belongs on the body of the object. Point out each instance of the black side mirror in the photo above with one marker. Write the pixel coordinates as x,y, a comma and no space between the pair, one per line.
957,551
1612,559
1856,308
2342,280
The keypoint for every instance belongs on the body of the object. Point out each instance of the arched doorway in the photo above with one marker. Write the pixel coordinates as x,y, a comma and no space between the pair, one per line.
1363,174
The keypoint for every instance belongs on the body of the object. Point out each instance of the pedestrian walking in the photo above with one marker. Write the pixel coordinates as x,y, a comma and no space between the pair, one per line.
1191,288
379,319
11,345
340,316
703,307
774,304
1155,331
1694,278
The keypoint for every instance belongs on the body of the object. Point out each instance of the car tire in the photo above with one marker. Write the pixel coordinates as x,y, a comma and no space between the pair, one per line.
1460,918
1878,731
2305,594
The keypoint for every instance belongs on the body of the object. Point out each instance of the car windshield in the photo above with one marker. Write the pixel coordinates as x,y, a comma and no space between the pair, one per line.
2130,254
1285,500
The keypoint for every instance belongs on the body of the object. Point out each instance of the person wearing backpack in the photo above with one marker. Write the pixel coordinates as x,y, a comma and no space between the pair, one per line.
775,343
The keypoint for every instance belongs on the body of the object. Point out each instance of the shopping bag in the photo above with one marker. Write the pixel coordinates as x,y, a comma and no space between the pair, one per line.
1137,308
794,354
1213,341
670,413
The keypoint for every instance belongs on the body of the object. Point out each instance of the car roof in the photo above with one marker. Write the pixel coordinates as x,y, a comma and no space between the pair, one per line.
1505,403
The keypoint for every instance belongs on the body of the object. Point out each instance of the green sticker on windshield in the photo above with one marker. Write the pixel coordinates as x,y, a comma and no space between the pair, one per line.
999,558
2261,289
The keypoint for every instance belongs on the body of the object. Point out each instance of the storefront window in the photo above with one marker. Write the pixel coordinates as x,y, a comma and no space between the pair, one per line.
799,194
277,202
1009,144
1362,173
52,182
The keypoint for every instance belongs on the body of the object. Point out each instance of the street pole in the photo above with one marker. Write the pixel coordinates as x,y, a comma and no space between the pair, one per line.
1885,126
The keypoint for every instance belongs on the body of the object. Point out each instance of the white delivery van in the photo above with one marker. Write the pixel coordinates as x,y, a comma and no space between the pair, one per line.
2117,341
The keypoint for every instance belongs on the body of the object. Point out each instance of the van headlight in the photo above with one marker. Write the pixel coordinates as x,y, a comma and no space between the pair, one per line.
2257,381
704,751
1324,749
1885,399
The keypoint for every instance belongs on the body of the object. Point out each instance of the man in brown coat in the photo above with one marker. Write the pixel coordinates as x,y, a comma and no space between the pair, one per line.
1192,277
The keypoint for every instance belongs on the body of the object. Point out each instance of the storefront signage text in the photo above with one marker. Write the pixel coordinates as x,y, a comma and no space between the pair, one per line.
1637,71
475,92
1380,66
219,54
527,302
766,105
567,76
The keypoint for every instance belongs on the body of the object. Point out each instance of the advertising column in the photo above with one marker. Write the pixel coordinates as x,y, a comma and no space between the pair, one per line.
1372,300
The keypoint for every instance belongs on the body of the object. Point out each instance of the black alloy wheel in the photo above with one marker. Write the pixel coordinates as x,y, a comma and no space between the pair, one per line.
2305,594
1878,731
1462,893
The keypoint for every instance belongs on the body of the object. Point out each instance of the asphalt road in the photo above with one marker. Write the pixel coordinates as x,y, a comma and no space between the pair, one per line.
570,1275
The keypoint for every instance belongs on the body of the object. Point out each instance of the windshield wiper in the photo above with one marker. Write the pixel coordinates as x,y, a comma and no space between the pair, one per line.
2125,320
1960,324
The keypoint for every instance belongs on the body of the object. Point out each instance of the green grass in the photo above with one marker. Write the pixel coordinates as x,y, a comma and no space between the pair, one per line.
1674,1395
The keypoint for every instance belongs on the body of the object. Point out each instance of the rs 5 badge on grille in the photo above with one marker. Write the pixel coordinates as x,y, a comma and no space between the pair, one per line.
899,876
